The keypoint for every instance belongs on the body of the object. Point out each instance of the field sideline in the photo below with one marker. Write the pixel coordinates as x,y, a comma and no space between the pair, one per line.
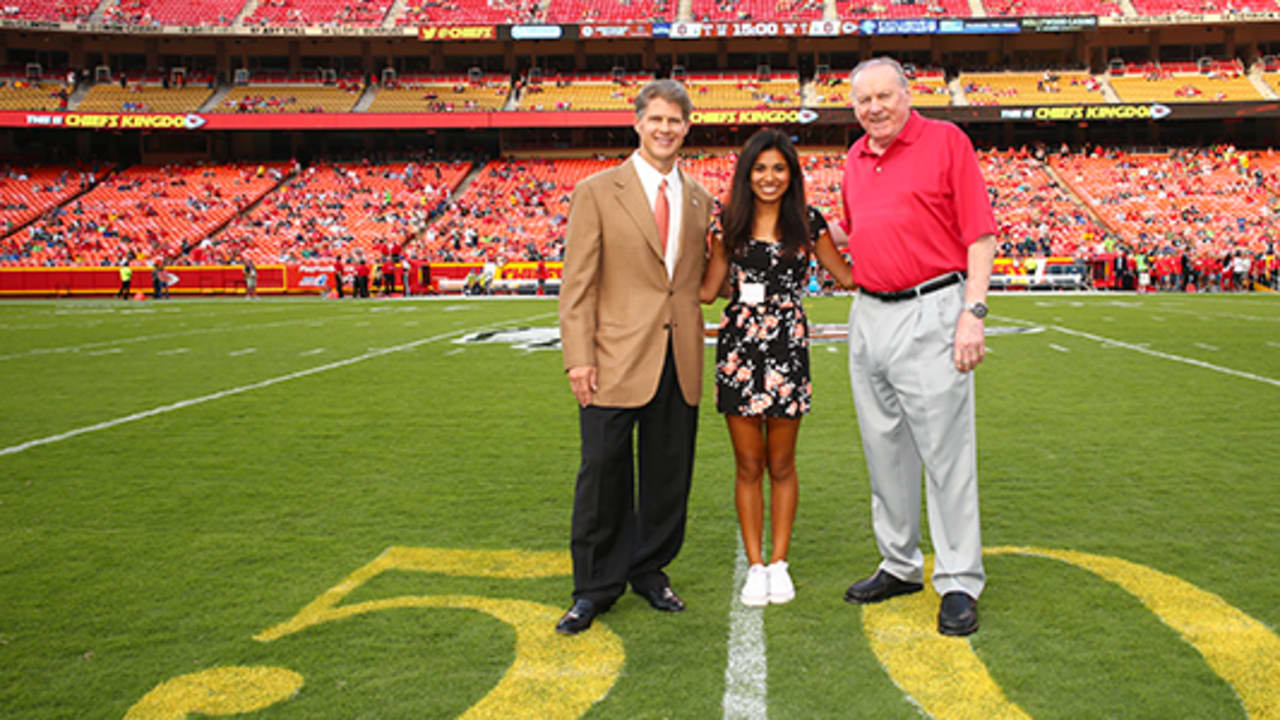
318,509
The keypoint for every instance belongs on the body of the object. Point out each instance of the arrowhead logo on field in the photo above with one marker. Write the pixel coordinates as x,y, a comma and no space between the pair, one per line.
523,338
530,339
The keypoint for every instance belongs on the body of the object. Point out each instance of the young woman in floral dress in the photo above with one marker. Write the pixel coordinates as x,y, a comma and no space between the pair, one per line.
767,235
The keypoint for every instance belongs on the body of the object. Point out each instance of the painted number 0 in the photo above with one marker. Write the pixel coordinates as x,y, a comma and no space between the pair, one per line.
1241,650
552,676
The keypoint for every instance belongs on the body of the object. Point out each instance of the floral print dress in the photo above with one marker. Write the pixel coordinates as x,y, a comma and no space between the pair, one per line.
762,351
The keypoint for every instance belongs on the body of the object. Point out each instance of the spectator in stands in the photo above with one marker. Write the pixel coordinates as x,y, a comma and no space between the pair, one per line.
922,248
631,330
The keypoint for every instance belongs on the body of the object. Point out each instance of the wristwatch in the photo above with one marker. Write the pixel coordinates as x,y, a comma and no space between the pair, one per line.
979,309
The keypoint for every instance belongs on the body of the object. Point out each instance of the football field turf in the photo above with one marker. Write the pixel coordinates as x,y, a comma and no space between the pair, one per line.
340,509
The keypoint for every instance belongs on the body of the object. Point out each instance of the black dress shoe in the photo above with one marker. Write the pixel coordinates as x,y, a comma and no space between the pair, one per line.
578,618
958,614
880,586
662,598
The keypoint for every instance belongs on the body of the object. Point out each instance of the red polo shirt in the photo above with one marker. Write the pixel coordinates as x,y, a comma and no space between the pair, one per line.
912,212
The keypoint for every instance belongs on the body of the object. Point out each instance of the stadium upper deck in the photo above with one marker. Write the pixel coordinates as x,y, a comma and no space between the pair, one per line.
388,14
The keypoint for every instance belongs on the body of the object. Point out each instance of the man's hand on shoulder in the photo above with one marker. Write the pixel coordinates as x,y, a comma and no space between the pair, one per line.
582,380
970,346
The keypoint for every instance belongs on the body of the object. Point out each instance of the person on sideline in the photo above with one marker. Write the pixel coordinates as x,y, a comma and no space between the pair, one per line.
250,278
922,239
126,279
762,351
631,331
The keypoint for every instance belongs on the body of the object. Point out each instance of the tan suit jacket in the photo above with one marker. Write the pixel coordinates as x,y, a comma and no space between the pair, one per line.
616,303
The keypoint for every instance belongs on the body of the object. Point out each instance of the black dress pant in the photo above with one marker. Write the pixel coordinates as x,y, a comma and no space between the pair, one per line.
620,535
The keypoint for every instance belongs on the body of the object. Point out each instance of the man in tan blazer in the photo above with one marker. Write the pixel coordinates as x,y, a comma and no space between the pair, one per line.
631,329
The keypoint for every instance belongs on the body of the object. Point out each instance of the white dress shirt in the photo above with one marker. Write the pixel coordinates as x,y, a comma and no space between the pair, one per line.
650,178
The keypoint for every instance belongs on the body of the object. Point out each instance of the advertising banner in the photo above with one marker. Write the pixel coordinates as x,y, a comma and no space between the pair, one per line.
1076,23
614,32
451,33
182,280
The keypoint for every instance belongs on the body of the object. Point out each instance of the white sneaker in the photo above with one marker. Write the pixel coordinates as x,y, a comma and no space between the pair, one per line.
781,589
755,591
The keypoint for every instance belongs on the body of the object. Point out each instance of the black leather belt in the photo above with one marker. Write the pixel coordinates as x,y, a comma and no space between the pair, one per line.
919,290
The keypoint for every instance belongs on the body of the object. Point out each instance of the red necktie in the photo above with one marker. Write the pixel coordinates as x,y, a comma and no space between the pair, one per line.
662,213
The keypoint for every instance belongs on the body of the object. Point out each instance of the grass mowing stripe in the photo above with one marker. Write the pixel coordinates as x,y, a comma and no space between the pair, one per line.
14,449
746,673
1148,351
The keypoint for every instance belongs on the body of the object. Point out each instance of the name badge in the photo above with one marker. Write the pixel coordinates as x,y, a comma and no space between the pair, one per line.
751,293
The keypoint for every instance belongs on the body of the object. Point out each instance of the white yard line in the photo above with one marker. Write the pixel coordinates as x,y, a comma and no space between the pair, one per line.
1110,343
1206,346
107,424
246,351
746,674
1059,348
145,338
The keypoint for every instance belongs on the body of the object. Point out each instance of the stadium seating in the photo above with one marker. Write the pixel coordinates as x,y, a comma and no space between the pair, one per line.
173,12
930,89
22,94
730,90
433,12
143,98
582,92
829,90
897,9
610,11
340,209
1207,200
516,209
26,193
442,93
1052,8
284,98
356,13
51,10
1036,215
1057,87
1184,82
1272,79
146,211
742,10
1155,8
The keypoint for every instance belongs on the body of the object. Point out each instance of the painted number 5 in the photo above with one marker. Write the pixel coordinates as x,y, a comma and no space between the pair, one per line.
552,676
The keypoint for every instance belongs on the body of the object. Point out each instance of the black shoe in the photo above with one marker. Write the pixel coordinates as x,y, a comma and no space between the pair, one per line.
578,618
958,614
662,598
880,586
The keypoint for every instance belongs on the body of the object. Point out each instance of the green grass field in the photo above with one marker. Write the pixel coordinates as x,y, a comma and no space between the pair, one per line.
179,478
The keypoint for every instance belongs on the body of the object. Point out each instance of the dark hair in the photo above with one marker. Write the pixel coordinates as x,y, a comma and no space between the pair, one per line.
740,212
667,89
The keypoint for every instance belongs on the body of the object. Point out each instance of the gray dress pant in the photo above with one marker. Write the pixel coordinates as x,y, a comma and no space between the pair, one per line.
916,410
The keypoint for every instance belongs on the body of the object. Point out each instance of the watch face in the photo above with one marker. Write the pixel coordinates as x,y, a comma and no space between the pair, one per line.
978,309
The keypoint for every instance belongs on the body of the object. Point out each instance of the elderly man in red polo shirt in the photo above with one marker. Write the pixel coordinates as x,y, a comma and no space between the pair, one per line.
922,238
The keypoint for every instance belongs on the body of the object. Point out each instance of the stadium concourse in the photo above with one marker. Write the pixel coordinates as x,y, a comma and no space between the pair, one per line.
1208,206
